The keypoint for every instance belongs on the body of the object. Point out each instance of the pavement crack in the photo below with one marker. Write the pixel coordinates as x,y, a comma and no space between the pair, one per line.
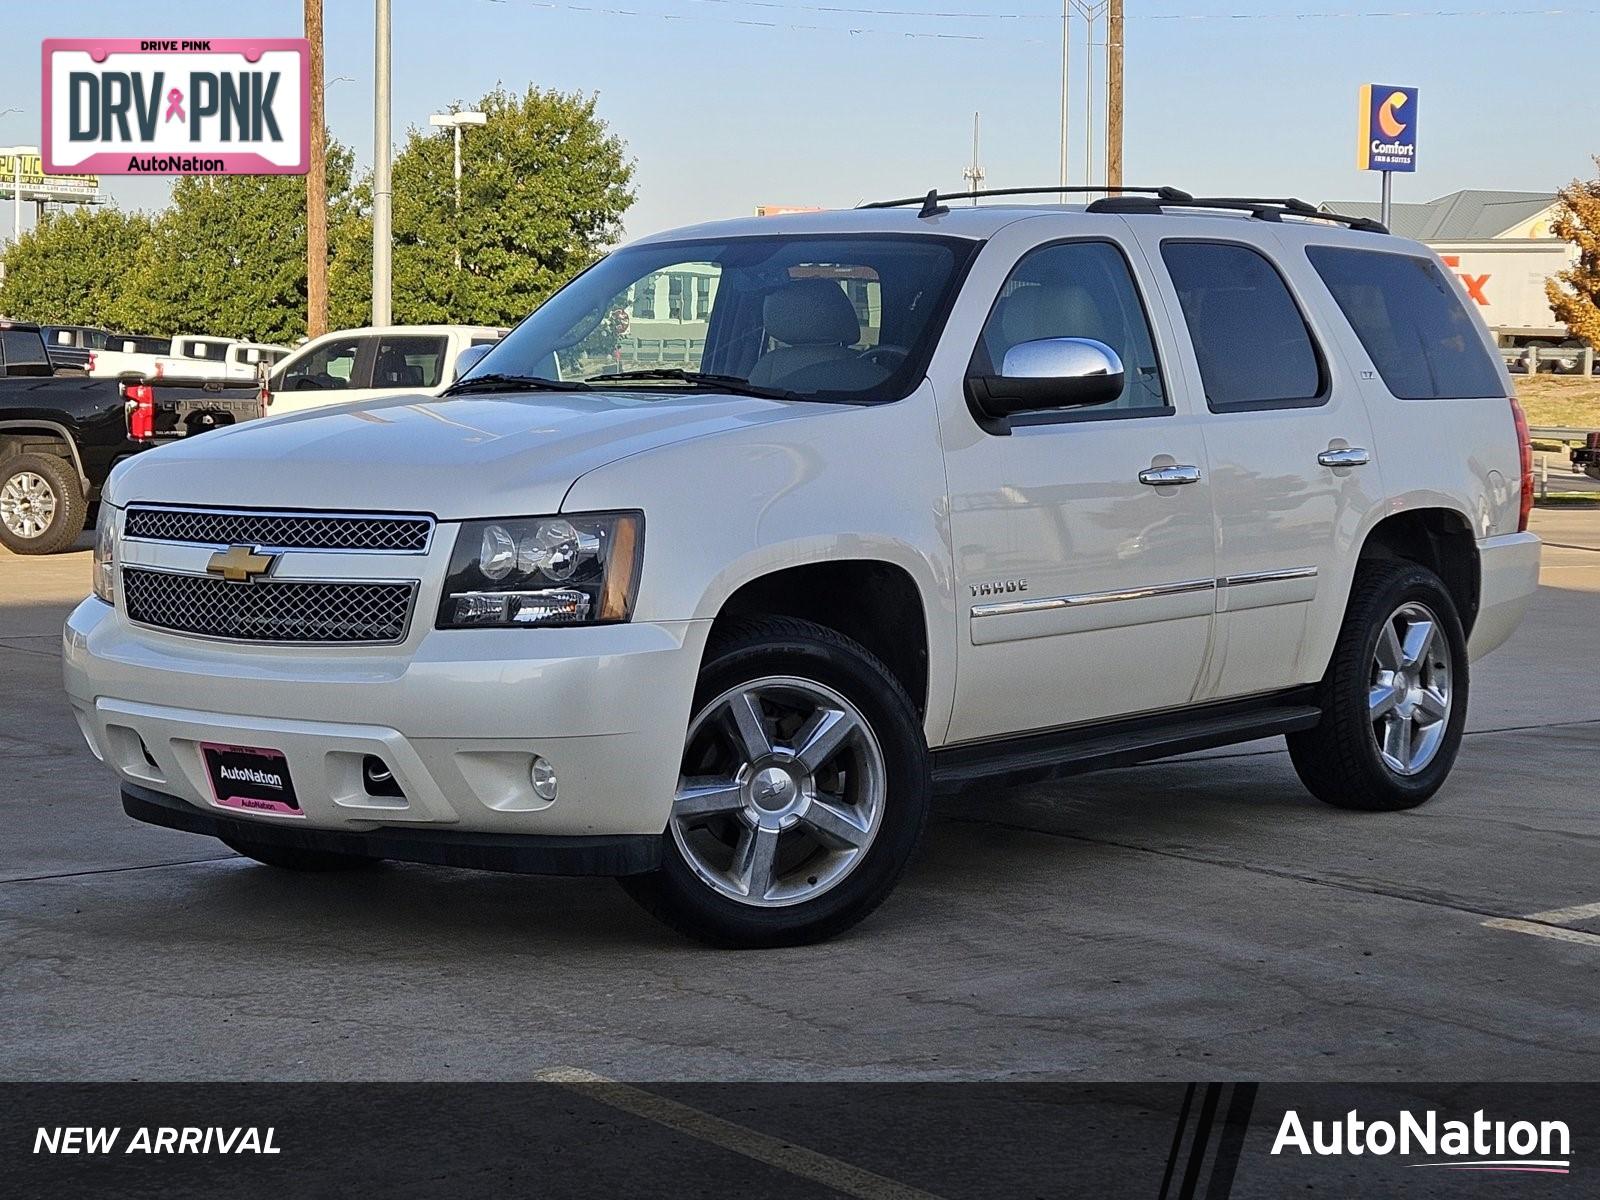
182,862
1367,889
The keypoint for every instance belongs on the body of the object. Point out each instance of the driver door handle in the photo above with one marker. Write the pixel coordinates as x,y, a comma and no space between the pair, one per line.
1349,456
1169,476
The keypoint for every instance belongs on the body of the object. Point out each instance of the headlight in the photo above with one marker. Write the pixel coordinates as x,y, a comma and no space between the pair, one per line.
567,570
104,579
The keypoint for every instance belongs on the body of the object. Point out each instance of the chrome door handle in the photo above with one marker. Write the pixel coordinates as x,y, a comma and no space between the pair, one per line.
1351,456
1169,476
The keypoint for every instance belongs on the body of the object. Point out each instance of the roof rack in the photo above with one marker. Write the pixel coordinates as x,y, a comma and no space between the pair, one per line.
933,202
1261,208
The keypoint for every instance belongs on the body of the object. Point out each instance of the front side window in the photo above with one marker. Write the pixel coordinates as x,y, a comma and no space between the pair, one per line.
1077,290
1412,321
409,362
1252,343
327,368
849,318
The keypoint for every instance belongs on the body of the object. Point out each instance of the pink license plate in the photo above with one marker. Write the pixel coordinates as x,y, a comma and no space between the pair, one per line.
250,778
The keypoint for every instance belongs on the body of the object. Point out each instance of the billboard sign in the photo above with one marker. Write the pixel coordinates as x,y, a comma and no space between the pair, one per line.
209,106
1388,134
22,169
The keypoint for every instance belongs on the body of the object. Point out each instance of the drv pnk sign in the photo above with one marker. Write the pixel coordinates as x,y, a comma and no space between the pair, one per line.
1388,128
208,106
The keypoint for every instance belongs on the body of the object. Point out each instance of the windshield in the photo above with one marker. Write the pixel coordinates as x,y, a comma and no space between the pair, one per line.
848,318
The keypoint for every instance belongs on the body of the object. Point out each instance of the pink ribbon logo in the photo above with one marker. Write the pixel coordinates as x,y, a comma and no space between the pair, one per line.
175,105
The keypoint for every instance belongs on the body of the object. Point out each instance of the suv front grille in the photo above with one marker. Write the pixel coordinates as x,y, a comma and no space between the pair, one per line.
280,531
269,610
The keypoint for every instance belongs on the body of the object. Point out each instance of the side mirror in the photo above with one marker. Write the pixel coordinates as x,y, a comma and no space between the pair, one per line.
469,358
1063,372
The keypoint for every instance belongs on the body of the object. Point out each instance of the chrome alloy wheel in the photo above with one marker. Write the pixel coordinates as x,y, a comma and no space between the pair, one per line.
782,791
27,504
1410,695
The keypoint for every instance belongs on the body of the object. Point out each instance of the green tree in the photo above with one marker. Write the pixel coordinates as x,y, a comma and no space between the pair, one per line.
229,256
1575,293
76,267
544,188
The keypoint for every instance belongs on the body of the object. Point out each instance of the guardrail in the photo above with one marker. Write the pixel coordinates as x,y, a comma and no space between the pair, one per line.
1564,360
1558,433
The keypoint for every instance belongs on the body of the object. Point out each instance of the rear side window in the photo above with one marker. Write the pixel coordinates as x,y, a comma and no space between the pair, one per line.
1249,336
409,362
1413,322
22,349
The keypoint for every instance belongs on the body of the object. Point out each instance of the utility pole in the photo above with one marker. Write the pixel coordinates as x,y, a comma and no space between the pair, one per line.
974,173
1066,51
1114,95
382,182
317,186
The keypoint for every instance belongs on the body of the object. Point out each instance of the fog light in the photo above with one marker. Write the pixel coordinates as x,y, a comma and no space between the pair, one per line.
543,776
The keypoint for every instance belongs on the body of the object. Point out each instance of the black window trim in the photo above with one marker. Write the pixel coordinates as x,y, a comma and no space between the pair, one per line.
1324,371
1068,416
1400,251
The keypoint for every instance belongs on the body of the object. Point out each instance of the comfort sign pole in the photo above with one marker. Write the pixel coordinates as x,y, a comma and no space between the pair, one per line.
1387,138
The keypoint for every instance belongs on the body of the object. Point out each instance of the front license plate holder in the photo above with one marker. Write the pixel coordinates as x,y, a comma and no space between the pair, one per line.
250,779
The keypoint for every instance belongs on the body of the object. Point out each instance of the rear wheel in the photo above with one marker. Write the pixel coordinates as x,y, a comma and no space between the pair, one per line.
804,790
1394,700
42,509
290,858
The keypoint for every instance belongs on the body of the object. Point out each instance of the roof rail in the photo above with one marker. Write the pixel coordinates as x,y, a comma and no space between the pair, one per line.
933,202
1262,209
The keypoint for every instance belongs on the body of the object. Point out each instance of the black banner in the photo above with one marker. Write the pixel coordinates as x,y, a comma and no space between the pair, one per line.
577,1135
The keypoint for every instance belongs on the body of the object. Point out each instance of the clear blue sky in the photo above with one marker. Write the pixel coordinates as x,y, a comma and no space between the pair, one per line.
722,116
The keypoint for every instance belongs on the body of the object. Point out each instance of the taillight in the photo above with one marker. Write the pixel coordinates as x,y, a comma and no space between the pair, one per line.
1525,446
141,410
91,360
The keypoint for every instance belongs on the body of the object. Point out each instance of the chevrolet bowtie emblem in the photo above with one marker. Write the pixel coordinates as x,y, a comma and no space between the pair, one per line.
240,564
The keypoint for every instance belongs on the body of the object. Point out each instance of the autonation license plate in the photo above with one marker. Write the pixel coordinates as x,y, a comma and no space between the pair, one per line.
250,778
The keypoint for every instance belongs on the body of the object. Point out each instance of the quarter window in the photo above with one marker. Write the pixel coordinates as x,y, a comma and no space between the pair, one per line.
1250,339
1412,321
1078,290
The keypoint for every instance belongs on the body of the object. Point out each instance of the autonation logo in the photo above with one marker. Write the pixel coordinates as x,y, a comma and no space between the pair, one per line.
1476,1145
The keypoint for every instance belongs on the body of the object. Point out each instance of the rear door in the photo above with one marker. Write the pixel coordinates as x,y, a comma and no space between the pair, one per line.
1289,440
1083,586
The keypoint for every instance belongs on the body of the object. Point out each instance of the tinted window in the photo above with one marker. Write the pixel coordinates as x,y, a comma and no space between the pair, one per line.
1081,290
327,368
21,349
1252,343
1412,321
409,362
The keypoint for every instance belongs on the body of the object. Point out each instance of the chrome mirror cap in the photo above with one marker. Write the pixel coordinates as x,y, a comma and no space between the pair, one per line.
1060,358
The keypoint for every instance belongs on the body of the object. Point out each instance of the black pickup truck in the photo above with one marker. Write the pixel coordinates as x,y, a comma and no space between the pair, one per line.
60,435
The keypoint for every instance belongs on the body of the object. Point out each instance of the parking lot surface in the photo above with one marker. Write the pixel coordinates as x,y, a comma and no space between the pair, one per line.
1201,918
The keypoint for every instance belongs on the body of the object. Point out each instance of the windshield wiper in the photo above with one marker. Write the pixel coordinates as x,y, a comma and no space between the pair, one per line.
736,384
513,383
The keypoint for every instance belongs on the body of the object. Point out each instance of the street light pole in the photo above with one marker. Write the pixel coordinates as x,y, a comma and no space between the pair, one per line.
455,122
382,181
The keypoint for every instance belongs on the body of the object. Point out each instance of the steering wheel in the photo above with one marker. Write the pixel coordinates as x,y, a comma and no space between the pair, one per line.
897,355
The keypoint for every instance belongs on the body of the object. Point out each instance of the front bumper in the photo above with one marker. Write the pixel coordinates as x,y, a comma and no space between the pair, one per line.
1508,576
456,716
523,854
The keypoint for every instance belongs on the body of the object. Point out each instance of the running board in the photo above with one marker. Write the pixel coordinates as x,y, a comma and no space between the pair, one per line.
1058,753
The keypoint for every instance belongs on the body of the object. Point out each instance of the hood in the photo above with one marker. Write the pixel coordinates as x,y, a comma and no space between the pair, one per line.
457,458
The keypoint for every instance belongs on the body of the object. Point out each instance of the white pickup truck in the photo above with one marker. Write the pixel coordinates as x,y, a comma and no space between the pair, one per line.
187,356
373,363
947,496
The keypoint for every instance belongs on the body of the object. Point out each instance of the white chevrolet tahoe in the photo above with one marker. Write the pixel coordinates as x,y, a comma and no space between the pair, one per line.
941,497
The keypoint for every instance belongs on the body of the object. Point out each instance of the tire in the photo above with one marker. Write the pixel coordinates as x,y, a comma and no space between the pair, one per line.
289,858
42,509
817,813
1340,760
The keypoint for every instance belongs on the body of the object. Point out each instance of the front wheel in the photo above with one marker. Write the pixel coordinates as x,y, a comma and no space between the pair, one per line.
1394,700
42,507
803,792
